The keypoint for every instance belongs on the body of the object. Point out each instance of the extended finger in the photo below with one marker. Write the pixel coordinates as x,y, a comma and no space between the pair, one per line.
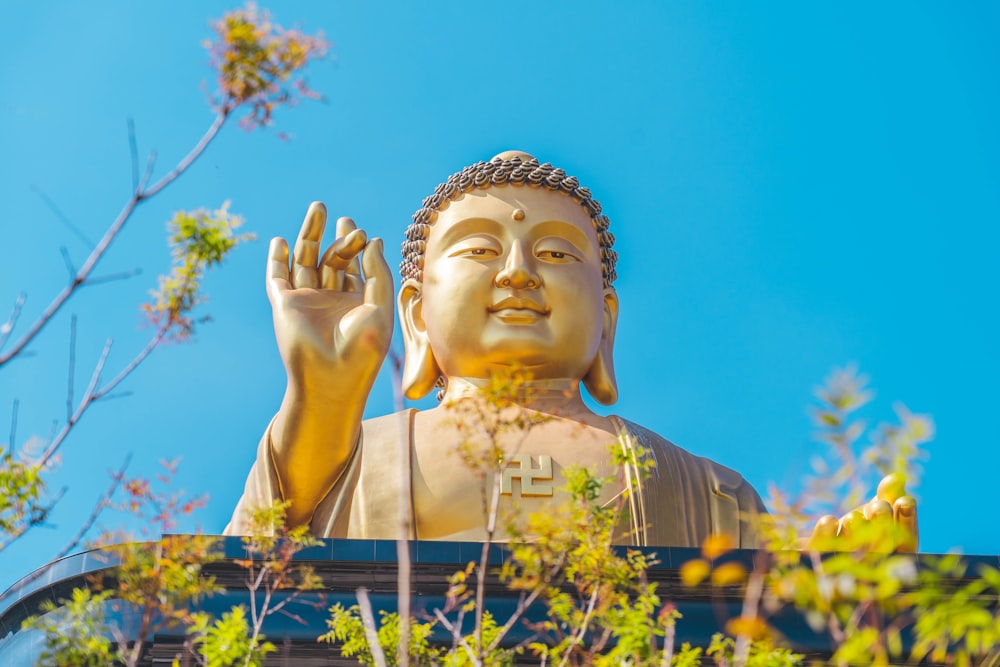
344,227
892,487
904,511
378,278
304,273
277,267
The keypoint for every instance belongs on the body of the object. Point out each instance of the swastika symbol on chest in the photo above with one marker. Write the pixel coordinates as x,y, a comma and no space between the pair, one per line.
534,481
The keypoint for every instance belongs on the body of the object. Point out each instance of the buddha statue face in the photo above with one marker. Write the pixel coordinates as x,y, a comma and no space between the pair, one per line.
510,275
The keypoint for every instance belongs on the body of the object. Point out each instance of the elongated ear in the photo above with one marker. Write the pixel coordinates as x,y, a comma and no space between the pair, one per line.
600,379
420,369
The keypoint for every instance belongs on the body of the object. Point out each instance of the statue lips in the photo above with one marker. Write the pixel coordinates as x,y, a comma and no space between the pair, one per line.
515,310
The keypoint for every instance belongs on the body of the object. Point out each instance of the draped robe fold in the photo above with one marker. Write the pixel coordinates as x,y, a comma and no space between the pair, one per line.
680,502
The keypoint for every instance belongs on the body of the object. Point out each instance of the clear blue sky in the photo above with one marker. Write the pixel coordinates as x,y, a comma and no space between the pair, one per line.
794,187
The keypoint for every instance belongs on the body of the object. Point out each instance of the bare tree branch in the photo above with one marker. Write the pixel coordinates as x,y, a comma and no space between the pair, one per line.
141,194
62,217
99,506
71,367
13,423
371,632
148,173
8,327
199,148
70,269
121,275
56,440
133,153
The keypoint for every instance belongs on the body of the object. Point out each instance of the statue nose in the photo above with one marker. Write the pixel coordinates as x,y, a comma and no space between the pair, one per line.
517,272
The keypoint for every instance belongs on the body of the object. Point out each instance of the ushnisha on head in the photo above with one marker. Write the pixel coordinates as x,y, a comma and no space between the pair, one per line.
510,168
518,270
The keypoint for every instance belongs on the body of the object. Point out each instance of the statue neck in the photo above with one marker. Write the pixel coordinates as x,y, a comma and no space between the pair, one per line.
559,397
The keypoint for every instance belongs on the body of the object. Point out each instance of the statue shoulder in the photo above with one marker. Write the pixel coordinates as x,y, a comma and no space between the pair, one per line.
722,479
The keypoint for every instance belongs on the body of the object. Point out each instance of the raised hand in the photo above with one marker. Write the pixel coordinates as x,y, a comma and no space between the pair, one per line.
333,315
333,318
891,509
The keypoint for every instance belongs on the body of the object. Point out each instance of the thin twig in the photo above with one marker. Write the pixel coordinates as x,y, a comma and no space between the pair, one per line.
70,269
55,440
71,367
457,636
371,633
13,423
199,148
522,606
102,502
121,275
132,365
94,394
8,327
133,152
148,172
111,397
62,217
582,630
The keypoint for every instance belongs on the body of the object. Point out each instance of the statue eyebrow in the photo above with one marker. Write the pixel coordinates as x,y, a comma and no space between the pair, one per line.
467,227
569,231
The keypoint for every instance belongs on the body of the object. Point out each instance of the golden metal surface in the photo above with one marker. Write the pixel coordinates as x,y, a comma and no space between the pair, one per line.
510,262
535,481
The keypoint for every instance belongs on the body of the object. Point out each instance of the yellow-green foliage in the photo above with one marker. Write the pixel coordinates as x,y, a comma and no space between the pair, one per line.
199,240
21,488
74,631
259,63
227,641
347,629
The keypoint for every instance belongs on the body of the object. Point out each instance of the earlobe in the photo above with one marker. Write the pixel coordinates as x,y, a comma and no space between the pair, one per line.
600,379
420,369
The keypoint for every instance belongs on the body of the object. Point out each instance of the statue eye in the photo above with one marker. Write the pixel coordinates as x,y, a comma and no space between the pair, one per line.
478,246
557,249
557,256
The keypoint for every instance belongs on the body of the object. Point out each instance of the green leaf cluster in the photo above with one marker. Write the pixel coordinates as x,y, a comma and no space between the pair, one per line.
259,63
198,240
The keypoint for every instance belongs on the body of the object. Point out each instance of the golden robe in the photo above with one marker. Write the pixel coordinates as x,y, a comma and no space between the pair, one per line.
680,502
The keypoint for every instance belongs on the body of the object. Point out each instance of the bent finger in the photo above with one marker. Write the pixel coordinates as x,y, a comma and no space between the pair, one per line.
340,253
345,226
904,511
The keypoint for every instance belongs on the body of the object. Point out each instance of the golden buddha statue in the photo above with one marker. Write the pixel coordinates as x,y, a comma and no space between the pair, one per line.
509,262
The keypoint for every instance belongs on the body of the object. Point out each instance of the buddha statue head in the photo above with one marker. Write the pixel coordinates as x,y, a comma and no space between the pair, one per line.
509,262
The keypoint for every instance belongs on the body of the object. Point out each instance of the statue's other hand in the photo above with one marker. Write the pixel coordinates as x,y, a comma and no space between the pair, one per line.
333,314
891,506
